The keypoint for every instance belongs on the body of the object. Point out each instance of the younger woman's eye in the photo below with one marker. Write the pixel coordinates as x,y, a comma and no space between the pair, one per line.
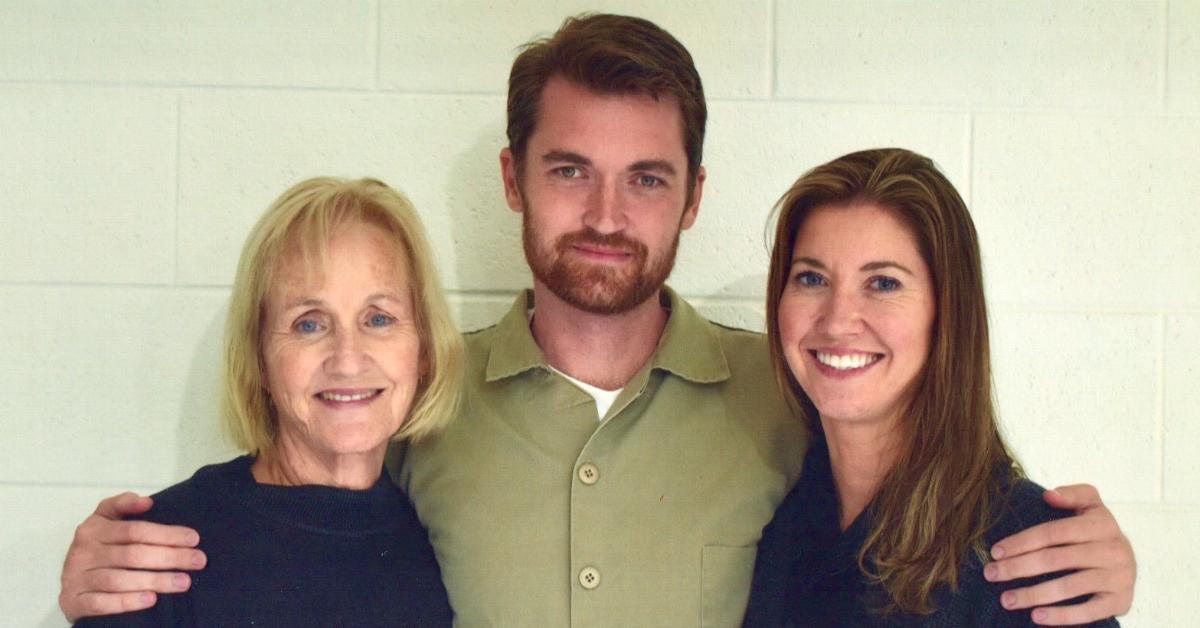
809,279
884,284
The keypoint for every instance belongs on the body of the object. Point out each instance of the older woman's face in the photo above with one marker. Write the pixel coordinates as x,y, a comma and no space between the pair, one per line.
341,348
856,315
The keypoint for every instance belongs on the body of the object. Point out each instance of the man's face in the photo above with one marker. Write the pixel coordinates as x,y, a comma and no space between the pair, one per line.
603,193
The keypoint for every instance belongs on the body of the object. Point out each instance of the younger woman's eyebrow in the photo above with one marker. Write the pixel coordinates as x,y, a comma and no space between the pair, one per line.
868,267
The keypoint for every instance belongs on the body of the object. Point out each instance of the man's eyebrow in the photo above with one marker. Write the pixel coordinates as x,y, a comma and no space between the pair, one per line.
565,156
653,165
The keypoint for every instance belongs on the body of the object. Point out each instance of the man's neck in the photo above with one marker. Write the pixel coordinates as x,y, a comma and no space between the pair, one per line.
604,350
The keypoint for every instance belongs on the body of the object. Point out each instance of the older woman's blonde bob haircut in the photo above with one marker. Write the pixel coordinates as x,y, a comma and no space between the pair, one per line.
306,216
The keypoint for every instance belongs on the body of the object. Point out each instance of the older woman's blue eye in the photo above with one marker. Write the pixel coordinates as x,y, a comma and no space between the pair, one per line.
380,320
884,284
307,326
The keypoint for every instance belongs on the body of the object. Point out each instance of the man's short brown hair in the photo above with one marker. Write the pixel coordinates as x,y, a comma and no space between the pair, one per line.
608,53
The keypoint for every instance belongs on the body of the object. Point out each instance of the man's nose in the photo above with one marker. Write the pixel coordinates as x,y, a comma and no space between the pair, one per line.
604,212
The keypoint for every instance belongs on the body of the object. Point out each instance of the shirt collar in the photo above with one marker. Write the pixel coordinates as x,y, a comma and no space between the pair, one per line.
689,347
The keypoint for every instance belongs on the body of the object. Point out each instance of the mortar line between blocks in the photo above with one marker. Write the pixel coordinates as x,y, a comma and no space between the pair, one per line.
378,34
1164,64
969,167
178,172
772,49
1160,402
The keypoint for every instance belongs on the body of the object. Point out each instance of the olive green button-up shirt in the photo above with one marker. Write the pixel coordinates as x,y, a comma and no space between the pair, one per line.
542,514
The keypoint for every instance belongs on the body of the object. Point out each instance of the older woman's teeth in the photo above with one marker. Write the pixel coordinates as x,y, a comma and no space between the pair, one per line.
328,396
847,362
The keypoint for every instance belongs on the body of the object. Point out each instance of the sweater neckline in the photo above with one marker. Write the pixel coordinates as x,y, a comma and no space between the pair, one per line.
315,508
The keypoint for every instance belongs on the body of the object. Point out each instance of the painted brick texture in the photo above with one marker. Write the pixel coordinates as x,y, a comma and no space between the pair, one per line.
140,140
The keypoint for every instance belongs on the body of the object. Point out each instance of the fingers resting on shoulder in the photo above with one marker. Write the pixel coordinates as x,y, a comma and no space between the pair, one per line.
115,566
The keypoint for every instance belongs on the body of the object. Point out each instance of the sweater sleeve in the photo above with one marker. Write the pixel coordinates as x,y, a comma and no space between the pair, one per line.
773,567
1025,509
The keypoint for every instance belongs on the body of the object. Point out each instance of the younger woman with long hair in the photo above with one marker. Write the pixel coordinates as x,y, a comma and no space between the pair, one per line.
879,337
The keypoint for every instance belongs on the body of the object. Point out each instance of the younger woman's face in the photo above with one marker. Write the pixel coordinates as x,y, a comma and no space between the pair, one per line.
856,314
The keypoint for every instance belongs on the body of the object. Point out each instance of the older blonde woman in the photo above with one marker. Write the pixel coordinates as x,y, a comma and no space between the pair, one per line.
338,341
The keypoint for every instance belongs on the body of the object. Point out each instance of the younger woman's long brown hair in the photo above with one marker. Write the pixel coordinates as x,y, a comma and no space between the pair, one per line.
939,499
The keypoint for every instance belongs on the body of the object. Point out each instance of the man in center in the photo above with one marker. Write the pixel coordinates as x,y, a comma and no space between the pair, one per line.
618,454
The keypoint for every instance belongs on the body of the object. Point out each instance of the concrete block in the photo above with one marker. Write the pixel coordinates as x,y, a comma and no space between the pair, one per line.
1061,54
38,523
305,43
1163,538
473,311
116,385
1181,407
1183,56
737,313
89,185
461,46
241,150
1088,211
755,151
1077,398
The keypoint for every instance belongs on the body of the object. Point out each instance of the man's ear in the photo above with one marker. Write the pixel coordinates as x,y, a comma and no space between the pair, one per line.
508,173
693,206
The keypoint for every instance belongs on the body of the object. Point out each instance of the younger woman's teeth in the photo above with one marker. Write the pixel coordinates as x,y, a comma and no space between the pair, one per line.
847,362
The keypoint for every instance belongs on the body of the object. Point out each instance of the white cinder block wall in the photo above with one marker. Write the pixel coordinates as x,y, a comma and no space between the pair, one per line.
139,140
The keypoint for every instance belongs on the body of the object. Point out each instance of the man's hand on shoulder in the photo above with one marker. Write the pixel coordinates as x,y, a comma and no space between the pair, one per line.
1090,544
116,566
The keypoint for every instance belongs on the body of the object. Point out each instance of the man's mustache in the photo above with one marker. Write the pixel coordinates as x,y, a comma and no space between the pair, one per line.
615,241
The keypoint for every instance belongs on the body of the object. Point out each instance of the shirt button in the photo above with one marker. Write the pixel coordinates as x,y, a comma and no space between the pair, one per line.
589,577
588,473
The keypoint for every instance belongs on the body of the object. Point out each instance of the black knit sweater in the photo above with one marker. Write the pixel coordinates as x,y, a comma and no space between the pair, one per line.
807,571
296,556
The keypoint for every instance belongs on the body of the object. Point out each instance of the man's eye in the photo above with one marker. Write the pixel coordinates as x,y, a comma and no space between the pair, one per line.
379,320
648,181
884,284
809,279
568,172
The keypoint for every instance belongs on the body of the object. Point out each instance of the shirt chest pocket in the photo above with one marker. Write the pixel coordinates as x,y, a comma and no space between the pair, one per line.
725,574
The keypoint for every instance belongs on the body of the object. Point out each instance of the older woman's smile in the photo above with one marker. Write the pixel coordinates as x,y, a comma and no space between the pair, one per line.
349,395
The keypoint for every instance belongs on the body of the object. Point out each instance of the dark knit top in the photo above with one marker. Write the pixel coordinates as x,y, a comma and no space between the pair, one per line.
807,571
296,556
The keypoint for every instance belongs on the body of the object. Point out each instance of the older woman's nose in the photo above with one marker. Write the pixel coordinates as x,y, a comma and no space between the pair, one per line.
348,355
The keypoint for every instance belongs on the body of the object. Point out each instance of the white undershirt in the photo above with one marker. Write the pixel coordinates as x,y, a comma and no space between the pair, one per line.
603,398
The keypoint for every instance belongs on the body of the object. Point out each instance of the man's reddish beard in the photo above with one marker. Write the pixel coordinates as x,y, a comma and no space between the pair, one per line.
597,288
